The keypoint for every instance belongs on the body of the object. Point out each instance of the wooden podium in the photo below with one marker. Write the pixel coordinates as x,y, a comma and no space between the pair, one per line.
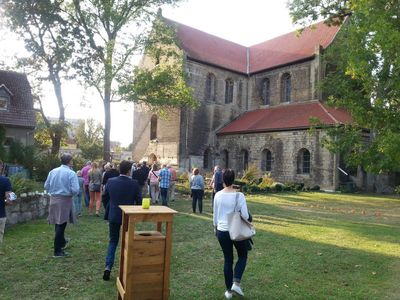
145,255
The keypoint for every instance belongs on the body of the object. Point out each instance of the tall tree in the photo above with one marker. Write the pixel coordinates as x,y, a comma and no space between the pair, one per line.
89,139
363,76
114,33
48,37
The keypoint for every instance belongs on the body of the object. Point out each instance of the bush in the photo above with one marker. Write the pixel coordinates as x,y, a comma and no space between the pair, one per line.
251,174
23,185
315,188
265,181
43,163
279,187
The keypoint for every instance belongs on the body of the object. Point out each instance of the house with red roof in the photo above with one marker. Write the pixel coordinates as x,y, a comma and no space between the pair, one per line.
17,115
255,108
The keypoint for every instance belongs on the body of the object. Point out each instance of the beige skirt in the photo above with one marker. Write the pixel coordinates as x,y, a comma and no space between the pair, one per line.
60,210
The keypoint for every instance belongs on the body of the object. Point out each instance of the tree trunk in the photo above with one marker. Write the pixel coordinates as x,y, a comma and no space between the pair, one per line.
57,134
108,78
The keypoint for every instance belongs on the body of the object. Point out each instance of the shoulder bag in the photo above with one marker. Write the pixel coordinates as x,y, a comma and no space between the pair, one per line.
239,228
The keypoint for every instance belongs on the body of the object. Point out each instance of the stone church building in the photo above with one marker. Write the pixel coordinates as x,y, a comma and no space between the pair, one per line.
255,108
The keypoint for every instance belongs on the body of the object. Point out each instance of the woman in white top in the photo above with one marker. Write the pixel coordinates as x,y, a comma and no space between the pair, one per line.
225,202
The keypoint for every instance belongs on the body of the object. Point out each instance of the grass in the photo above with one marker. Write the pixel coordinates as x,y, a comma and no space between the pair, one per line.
308,246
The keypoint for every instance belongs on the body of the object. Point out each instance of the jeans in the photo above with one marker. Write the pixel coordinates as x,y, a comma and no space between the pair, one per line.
164,196
59,239
227,248
112,244
197,196
78,203
87,195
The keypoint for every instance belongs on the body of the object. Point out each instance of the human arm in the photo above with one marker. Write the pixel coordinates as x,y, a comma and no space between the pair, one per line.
242,205
74,183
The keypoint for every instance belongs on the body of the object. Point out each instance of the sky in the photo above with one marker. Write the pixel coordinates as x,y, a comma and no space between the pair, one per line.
246,22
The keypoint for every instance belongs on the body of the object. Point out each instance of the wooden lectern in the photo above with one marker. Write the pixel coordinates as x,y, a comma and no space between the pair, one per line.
145,255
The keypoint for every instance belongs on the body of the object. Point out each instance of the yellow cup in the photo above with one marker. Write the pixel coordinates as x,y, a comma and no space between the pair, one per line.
146,203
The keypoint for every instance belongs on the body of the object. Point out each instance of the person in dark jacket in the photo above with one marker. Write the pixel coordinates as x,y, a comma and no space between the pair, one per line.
109,173
141,174
121,190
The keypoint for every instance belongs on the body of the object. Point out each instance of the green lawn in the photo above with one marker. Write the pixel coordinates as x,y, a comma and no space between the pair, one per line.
308,246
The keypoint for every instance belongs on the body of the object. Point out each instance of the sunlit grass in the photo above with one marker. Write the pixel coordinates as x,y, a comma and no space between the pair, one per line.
308,246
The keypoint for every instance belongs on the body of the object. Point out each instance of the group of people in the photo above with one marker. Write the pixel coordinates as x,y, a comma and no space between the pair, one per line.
126,186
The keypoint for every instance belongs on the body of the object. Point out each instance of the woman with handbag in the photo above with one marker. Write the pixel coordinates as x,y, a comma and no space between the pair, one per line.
95,176
226,202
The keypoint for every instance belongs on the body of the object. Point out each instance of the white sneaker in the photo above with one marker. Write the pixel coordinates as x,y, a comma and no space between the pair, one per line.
237,290
228,295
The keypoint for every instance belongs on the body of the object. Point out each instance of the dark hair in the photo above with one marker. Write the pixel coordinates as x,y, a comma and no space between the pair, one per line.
196,171
228,176
66,158
125,167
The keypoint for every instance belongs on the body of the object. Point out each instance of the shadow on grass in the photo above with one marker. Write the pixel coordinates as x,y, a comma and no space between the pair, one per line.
280,266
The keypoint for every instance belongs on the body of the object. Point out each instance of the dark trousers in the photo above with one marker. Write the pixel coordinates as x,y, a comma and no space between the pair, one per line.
197,197
227,248
112,244
164,196
87,195
59,239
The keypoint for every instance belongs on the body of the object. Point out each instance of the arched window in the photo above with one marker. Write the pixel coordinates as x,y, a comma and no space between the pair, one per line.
228,90
244,157
225,159
266,160
210,87
207,159
286,87
153,127
265,91
303,161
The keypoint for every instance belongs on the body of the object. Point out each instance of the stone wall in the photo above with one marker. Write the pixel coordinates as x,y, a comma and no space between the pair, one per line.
284,147
27,209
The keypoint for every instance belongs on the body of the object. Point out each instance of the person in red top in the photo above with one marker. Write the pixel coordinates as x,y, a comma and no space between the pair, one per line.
171,190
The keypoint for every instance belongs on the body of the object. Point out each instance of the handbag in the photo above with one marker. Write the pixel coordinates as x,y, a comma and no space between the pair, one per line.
239,228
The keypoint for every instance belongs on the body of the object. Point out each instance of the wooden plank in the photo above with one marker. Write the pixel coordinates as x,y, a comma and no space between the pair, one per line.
168,250
120,288
145,268
150,278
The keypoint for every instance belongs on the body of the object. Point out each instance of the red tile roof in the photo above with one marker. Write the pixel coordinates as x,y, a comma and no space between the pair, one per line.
211,49
286,117
289,48
279,51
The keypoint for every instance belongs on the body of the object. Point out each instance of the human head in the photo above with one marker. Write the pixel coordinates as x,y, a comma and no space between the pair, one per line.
107,166
164,166
88,163
94,165
195,171
216,168
228,177
125,167
144,163
79,173
154,167
66,159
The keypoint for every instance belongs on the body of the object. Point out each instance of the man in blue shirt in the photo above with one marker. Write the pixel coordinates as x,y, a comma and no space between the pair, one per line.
62,184
5,190
164,178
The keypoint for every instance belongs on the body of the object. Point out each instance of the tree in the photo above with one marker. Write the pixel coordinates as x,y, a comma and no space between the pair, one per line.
89,139
114,33
160,82
363,76
48,37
